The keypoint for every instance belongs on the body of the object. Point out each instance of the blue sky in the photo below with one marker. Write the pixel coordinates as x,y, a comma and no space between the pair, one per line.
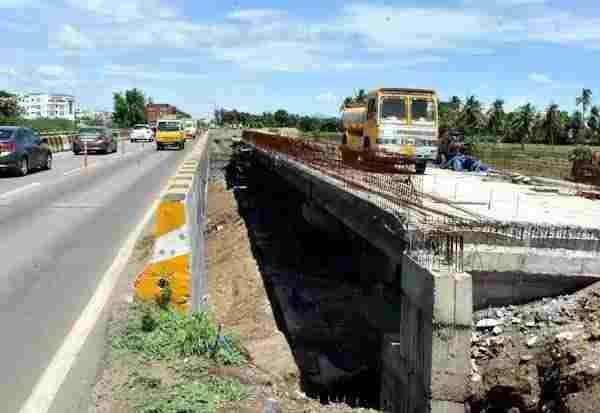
301,56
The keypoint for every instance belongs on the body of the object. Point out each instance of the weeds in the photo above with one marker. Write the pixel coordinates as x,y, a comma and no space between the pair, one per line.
169,335
197,397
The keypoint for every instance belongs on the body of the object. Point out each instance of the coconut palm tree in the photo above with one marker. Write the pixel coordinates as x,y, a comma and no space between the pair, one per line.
523,123
585,101
472,119
361,96
348,101
552,123
496,118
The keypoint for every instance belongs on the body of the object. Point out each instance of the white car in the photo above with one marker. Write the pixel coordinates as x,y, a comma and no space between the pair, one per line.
141,133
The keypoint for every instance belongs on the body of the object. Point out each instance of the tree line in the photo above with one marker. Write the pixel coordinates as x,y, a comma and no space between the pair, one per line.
129,108
278,119
525,124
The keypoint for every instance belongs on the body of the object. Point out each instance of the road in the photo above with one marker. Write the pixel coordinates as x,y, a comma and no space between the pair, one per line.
61,230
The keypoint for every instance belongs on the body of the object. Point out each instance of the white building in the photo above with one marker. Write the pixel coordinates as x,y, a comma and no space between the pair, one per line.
44,105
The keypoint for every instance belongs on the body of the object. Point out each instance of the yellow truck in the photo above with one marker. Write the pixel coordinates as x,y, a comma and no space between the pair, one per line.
391,126
169,133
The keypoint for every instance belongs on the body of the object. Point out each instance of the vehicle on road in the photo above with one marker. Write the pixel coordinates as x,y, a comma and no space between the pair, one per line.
190,128
385,128
22,150
141,133
169,133
95,139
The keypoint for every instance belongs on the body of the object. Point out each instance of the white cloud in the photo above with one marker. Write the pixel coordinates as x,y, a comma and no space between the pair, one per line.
8,71
71,38
141,73
327,97
540,78
255,15
415,28
125,10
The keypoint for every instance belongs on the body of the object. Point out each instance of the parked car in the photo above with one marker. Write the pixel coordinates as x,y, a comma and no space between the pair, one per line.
141,133
95,140
22,149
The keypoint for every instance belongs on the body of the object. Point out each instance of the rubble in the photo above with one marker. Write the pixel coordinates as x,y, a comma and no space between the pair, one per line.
539,357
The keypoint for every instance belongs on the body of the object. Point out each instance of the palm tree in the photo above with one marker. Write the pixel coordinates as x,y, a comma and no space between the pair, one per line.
552,123
472,118
523,123
594,121
584,100
348,101
496,118
361,96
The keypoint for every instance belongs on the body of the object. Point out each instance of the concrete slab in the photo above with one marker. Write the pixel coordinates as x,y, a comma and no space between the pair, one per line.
507,201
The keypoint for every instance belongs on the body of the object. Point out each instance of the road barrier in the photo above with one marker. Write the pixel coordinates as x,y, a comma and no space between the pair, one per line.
178,267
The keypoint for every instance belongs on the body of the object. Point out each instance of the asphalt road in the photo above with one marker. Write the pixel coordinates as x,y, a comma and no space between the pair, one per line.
60,231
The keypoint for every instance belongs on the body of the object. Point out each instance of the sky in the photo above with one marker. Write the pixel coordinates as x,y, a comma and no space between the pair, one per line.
304,56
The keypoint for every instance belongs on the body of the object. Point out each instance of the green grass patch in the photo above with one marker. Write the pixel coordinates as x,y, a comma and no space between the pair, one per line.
195,397
168,334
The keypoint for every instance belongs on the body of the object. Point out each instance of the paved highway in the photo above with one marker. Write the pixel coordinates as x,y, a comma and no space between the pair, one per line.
60,231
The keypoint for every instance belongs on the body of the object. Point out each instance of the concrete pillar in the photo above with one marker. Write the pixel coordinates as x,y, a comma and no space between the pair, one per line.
425,367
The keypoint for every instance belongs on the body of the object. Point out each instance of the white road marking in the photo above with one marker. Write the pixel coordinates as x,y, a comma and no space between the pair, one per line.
21,189
47,387
72,171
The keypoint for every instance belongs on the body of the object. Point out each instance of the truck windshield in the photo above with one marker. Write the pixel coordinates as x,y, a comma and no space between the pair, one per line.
393,108
168,126
422,110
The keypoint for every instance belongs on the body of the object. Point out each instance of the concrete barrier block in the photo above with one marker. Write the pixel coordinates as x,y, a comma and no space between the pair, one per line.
178,241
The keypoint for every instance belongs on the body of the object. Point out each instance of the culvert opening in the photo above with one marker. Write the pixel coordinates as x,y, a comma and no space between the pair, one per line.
314,286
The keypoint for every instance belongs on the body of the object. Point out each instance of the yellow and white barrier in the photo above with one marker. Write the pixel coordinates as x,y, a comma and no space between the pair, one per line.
178,260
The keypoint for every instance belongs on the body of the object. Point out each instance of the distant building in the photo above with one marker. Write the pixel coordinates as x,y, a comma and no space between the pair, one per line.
155,111
45,105
98,116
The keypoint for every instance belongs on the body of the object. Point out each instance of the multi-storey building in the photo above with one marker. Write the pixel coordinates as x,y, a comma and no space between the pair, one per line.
45,105
155,111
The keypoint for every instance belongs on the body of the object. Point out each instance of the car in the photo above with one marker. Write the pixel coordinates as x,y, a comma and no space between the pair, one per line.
22,150
95,139
141,133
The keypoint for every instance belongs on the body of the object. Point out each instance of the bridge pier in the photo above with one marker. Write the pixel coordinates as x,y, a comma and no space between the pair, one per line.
426,365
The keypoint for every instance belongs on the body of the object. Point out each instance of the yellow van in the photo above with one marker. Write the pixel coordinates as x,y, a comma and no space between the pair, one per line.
169,132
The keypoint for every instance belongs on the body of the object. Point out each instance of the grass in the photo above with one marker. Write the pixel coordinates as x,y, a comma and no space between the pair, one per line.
195,397
532,151
159,334
168,357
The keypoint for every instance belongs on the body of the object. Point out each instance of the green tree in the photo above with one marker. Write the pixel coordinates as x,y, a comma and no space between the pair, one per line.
585,101
182,115
594,123
347,102
471,119
281,118
523,123
120,115
136,102
496,118
361,96
552,124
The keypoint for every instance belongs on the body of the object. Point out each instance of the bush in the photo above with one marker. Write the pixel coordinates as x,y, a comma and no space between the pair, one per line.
581,154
